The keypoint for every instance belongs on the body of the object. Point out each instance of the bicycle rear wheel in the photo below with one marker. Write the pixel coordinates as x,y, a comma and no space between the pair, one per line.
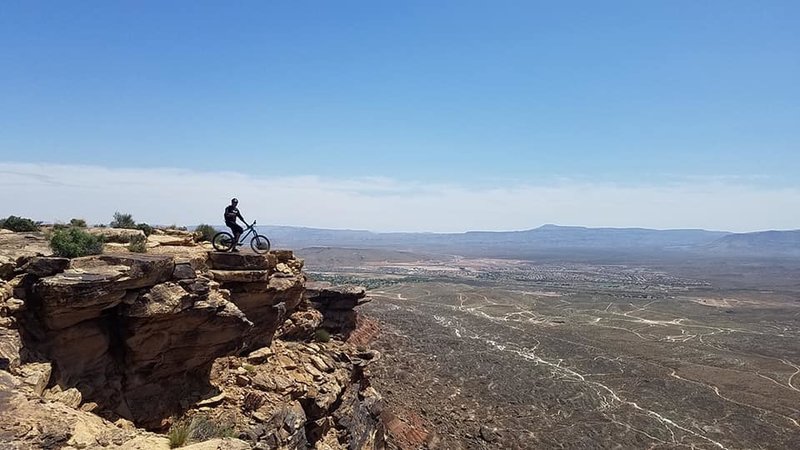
222,241
260,244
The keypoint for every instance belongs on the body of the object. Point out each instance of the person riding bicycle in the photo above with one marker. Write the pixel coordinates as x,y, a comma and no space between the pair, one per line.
231,214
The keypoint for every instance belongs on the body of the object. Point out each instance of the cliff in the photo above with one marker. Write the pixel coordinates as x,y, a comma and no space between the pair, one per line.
122,342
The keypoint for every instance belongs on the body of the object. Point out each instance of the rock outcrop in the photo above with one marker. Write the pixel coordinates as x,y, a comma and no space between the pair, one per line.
124,330
108,341
337,305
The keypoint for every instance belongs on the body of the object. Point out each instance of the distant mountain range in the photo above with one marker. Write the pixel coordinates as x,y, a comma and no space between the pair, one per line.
759,243
548,239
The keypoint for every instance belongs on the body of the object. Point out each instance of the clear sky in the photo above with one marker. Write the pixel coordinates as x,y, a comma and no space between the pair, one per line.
678,112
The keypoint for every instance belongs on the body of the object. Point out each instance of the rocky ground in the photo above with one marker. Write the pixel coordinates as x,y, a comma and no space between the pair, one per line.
179,345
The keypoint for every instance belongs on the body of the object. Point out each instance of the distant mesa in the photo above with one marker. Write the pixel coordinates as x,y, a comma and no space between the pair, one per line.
550,238
785,243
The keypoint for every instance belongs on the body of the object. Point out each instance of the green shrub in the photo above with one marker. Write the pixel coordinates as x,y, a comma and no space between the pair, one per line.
198,429
175,227
80,223
322,335
73,242
138,244
123,221
203,428
147,229
205,232
178,434
18,224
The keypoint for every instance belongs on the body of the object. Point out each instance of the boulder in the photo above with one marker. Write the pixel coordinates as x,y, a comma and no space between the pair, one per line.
17,248
196,256
301,325
289,421
36,376
77,294
71,397
174,232
260,356
142,270
10,345
283,256
183,271
258,306
171,240
241,261
335,297
41,266
161,299
240,276
336,303
7,266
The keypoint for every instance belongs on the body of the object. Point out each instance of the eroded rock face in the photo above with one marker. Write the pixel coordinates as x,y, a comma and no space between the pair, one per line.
29,422
139,270
265,295
336,303
120,331
169,331
241,261
135,336
77,295
299,395
17,248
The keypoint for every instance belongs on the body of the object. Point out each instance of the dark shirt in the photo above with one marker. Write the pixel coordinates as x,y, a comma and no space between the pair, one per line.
231,213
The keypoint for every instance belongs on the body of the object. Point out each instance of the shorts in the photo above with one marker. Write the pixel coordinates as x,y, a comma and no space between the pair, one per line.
235,227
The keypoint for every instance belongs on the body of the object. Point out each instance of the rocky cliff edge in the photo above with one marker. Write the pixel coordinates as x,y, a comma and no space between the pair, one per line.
95,350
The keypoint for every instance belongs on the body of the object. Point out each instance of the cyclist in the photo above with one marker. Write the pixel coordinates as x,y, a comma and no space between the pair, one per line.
231,214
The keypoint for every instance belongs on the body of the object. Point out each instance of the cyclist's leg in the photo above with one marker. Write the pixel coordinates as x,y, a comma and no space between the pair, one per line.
237,233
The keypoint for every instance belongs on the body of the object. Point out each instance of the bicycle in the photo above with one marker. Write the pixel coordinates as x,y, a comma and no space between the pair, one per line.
223,241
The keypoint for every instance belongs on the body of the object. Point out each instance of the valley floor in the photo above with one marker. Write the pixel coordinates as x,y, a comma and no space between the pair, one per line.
525,356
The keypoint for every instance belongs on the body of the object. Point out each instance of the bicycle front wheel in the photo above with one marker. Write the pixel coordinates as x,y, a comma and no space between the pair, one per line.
222,241
260,244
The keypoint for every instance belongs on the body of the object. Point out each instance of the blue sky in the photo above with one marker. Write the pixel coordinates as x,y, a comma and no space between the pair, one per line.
473,94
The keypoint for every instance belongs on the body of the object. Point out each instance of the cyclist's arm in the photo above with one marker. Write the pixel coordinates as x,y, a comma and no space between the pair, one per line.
241,218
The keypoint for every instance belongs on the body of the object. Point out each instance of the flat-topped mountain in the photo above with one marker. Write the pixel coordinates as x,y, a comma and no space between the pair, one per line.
761,243
549,239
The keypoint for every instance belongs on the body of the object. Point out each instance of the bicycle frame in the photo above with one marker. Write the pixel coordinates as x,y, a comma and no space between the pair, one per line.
248,231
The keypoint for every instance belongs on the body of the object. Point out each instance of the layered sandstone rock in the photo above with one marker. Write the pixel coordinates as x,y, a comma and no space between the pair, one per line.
265,294
337,305
27,421
136,336
127,328
299,395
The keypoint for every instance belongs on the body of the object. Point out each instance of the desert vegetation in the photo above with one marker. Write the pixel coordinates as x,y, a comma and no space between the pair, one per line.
198,429
73,242
138,244
19,224
205,232
125,220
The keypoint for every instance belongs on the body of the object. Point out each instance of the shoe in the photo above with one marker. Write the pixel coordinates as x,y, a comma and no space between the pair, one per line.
233,250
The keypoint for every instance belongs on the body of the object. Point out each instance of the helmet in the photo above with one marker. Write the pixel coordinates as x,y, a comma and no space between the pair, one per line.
234,200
